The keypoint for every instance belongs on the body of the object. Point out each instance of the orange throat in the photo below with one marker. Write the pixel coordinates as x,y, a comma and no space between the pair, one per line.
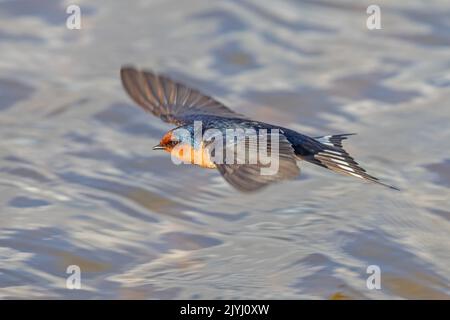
189,155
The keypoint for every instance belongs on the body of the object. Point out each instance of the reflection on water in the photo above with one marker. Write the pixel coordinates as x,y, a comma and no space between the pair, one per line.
80,184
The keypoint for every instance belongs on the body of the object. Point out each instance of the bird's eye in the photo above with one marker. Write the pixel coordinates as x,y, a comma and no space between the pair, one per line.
173,143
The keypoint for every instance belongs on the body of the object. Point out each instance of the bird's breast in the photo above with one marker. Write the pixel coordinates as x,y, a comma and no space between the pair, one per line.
193,155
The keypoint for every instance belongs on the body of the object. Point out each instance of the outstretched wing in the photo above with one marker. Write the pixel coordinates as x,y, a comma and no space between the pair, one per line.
173,102
249,176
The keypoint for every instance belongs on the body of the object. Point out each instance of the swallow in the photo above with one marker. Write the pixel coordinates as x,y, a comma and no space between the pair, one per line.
180,105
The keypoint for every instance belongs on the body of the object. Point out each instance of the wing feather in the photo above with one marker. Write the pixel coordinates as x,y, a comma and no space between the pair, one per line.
248,177
172,101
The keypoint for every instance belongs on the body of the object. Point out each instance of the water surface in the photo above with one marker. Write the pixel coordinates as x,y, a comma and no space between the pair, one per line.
80,184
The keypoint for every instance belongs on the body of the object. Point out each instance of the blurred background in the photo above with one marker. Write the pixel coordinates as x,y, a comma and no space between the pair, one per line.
80,185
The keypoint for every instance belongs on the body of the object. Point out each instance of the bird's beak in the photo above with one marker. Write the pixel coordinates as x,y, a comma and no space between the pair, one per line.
158,147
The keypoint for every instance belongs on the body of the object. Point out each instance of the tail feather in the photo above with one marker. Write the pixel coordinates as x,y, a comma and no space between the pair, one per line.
334,140
332,155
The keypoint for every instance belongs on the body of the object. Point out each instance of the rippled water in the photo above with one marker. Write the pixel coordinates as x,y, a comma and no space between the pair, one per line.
80,184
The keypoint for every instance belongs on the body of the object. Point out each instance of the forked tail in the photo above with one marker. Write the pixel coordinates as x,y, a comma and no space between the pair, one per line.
331,155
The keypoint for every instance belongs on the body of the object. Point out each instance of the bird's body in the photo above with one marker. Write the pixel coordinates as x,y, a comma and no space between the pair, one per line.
196,115
303,145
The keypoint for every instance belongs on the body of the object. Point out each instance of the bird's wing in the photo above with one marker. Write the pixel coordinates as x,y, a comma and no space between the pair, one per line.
250,176
173,102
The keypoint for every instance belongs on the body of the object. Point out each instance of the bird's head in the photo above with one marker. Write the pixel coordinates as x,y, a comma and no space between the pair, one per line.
180,143
173,138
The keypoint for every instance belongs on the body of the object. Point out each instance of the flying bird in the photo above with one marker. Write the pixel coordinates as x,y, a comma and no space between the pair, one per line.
182,106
